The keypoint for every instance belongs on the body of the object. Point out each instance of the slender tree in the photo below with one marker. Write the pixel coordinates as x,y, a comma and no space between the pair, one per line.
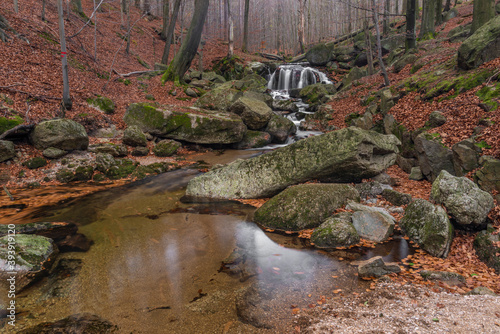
230,33
302,5
182,60
428,28
16,6
387,83
66,102
411,20
385,25
484,10
447,5
170,32
244,47
166,13
44,3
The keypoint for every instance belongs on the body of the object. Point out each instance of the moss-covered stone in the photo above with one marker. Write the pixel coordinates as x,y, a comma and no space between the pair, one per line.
319,55
133,136
116,150
104,104
7,123
166,148
64,134
280,128
35,163
304,206
482,46
254,113
253,139
65,175
83,173
486,248
220,97
54,153
7,150
336,231
121,169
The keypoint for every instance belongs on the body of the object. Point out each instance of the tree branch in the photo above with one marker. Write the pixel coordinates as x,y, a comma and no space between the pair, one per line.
87,23
15,129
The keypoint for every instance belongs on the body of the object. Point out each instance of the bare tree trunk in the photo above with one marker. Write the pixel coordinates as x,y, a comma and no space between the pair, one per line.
379,44
66,102
95,32
385,25
44,3
411,20
16,6
166,13
182,60
127,49
439,12
302,43
230,33
369,54
244,47
427,29
447,5
170,32
484,10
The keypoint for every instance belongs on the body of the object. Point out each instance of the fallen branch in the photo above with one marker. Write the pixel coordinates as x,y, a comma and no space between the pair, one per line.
38,97
126,75
16,129
14,85
298,58
8,193
271,56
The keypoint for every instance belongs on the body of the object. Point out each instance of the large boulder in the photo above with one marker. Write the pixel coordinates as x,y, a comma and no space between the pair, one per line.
7,150
428,226
314,94
346,155
488,177
304,206
318,55
60,133
355,74
255,113
482,46
191,125
280,128
433,156
465,202
220,97
28,256
336,231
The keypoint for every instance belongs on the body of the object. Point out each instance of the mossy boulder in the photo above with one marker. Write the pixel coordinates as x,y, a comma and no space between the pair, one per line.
428,226
29,256
304,206
335,231
148,118
64,134
221,97
488,177
133,136
314,94
104,104
83,173
116,150
319,55
482,46
486,246
465,156
280,128
254,113
396,198
7,150
64,175
7,123
104,161
285,105
54,153
436,118
253,139
355,74
346,155
401,62
121,169
166,148
468,205
252,82
35,163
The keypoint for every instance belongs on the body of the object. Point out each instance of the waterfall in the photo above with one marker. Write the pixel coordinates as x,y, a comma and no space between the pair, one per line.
293,76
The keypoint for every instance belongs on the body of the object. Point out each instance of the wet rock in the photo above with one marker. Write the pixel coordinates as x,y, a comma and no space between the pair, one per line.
465,202
255,113
133,136
433,157
280,128
303,206
485,244
61,279
376,267
416,174
74,243
345,155
7,150
285,105
166,148
428,226
253,139
396,198
436,119
448,277
371,223
252,309
336,231
54,153
56,231
33,256
84,323
488,177
64,134
481,46
116,150
314,94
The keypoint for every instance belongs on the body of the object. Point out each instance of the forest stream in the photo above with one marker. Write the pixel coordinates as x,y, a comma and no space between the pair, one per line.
158,265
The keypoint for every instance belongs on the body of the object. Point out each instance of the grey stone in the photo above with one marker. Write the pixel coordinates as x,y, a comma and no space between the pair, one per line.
336,231
386,101
83,323
482,46
166,148
253,139
487,249
403,61
318,55
465,202
255,113
436,118
191,92
370,189
104,161
133,136
140,151
116,150
406,164
285,105
465,156
376,267
364,122
303,206
345,155
433,157
7,150
280,128
481,291
416,174
448,277
54,153
428,226
373,226
396,198
64,134
488,177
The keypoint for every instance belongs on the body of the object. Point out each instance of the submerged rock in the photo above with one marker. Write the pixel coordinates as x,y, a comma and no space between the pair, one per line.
304,206
84,323
428,226
346,155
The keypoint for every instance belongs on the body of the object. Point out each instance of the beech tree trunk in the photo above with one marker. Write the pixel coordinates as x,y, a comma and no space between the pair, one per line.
182,60
484,10
166,13
230,31
16,6
369,53
302,4
66,102
385,25
170,32
379,44
447,5
411,21
439,12
244,47
427,28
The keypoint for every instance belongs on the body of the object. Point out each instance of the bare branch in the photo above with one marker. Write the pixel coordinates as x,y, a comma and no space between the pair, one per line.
90,20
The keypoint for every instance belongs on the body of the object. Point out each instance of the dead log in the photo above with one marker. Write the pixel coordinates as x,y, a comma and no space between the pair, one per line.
271,56
16,129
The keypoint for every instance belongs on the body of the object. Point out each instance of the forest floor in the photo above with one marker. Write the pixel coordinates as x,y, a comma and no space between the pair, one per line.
30,77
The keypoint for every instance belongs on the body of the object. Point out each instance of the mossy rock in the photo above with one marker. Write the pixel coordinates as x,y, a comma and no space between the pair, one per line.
133,136
166,148
487,250
116,150
65,175
54,153
253,139
7,123
122,169
280,128
220,97
336,231
35,163
64,134
7,150
304,206
83,173
104,104
319,55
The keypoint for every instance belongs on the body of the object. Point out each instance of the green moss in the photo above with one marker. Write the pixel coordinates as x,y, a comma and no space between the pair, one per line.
49,37
123,168
7,123
487,251
104,104
35,163
489,95
64,175
142,62
83,173
352,116
126,82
